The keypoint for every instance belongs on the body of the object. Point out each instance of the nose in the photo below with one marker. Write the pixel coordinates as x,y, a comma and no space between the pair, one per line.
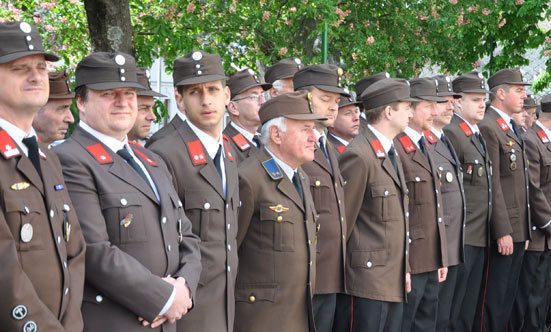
68,116
150,116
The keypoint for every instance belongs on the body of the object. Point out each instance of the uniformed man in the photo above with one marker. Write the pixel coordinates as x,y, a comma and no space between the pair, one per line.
510,221
280,75
146,102
142,260
247,95
521,118
428,257
362,85
467,141
277,222
377,268
453,197
346,125
530,106
52,121
205,175
41,244
324,82
529,308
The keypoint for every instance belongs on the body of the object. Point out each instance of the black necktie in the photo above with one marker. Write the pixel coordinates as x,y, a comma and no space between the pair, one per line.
392,157
480,142
130,160
256,141
322,145
217,160
516,130
423,147
298,186
34,156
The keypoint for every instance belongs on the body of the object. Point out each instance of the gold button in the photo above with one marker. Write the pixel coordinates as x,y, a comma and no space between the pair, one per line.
336,185
309,242
279,218
310,263
252,299
342,219
318,183
339,201
343,236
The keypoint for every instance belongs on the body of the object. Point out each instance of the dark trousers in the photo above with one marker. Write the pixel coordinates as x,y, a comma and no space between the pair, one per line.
422,306
324,311
445,298
496,298
467,288
356,314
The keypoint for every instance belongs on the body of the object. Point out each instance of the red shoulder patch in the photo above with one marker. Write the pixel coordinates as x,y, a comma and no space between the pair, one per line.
466,129
228,152
341,148
543,136
99,153
407,143
7,145
196,152
378,149
502,124
136,143
146,158
241,142
429,136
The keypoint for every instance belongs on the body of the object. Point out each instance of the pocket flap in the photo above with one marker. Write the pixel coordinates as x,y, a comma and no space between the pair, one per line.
256,292
383,191
369,259
22,204
119,200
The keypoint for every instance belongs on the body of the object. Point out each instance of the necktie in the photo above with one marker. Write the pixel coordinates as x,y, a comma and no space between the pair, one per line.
218,159
323,147
256,141
444,140
32,145
480,142
392,157
298,186
516,130
423,147
130,160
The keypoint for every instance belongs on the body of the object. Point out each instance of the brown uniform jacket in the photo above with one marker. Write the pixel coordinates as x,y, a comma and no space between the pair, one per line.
41,280
277,260
538,153
326,186
476,168
131,237
165,131
376,206
214,220
510,213
339,147
241,147
427,249
453,197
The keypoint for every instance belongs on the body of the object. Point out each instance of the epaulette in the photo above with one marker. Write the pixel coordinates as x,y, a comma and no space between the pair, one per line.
7,145
136,143
341,148
543,136
407,143
273,170
196,152
429,136
378,148
466,129
502,124
241,142
146,158
99,153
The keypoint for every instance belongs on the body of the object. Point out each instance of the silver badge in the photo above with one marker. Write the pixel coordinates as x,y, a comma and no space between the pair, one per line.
197,56
387,75
251,72
30,326
25,27
147,73
480,75
26,232
19,312
449,177
436,83
297,61
120,60
346,90
197,66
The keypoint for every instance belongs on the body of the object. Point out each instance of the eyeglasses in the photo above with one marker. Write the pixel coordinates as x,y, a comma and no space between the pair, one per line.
251,97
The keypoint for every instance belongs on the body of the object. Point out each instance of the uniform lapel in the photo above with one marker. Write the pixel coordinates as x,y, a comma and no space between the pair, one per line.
320,159
443,150
288,189
420,158
25,166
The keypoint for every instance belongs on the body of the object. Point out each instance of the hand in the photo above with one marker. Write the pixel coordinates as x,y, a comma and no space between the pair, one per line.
442,274
505,245
408,283
526,244
182,301
158,321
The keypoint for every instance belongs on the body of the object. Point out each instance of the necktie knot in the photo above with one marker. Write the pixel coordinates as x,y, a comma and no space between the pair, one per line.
125,154
256,140
132,162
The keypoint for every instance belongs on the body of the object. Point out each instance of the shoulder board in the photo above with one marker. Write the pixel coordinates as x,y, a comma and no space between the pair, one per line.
241,142
273,170
136,143
466,129
407,143
144,157
99,153
196,152
378,149
429,136
228,152
7,145
543,136
341,148
502,124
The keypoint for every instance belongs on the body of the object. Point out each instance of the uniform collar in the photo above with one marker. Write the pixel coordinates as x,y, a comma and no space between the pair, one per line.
505,116
545,130
385,142
208,142
436,132
111,142
474,128
244,132
343,141
288,170
414,135
17,134
181,115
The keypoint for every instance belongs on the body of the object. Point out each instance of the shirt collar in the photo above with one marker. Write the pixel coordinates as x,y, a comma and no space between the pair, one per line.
243,132
111,142
181,115
385,142
343,141
474,128
414,135
436,132
505,116
210,143
545,130
288,170
17,134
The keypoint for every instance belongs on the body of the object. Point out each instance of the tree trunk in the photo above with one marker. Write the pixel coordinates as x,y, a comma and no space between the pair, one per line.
110,26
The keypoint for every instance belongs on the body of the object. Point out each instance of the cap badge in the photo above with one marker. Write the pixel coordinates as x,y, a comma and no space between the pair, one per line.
197,56
387,75
25,27
251,72
297,61
480,75
347,91
120,60
309,97
448,79
147,73
340,71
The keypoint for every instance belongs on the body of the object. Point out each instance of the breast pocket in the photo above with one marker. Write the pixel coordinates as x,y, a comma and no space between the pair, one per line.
201,208
25,219
321,194
277,227
545,169
384,199
124,217
420,187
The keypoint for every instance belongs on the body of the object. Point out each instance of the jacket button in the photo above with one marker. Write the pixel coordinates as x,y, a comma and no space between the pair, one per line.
439,219
318,183
66,208
206,206
52,213
124,202
417,179
533,228
369,264
252,299
279,218
163,220
169,247
386,192
99,298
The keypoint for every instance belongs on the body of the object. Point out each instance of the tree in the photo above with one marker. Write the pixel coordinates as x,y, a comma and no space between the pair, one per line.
109,25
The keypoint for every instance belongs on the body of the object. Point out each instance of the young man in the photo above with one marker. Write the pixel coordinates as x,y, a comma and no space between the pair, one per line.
346,125
204,172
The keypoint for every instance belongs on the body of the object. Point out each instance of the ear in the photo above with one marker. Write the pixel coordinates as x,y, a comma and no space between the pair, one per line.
387,112
232,108
227,95
275,135
179,101
501,94
273,92
81,105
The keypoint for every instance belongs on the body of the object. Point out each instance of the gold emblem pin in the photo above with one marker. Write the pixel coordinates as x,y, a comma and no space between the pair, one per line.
20,186
340,71
279,208
513,165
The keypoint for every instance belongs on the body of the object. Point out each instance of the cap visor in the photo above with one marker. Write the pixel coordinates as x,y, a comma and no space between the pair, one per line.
447,94
114,85
475,91
264,86
348,103
201,79
432,98
518,83
302,116
410,99
333,89
149,93
14,56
